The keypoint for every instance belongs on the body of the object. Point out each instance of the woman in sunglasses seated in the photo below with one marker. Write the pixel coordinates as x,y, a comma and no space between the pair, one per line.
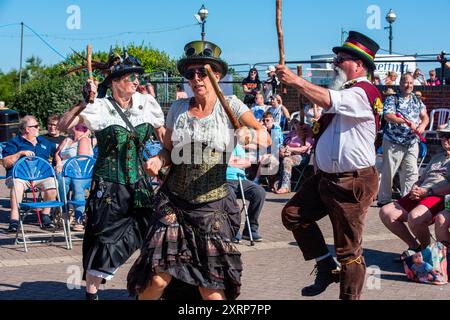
189,243
424,204
120,202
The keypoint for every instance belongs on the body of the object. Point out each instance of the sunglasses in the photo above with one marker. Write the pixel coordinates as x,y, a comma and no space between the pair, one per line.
190,73
268,120
340,59
133,77
444,136
35,126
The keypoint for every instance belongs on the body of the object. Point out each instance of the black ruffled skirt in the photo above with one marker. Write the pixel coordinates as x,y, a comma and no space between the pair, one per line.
115,225
193,244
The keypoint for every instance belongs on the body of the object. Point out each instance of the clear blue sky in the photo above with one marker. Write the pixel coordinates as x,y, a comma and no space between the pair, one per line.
245,30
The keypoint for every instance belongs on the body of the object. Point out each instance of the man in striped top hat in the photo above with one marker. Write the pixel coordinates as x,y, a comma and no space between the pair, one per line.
346,181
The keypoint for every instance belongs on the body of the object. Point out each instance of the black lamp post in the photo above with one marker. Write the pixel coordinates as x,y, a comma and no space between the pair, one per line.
390,18
202,14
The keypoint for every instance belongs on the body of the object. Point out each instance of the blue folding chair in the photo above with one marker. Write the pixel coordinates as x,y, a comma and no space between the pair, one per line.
33,169
76,168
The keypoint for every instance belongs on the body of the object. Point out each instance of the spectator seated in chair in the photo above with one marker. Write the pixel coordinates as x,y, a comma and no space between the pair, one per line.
424,204
254,193
29,143
296,146
78,143
268,163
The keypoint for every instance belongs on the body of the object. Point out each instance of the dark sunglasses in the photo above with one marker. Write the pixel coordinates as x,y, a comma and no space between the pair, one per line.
133,77
340,59
190,73
444,136
35,126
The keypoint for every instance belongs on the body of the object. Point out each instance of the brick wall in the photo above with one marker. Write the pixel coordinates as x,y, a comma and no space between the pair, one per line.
433,97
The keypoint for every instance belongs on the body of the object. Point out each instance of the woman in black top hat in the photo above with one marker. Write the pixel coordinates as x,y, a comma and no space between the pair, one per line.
120,202
196,217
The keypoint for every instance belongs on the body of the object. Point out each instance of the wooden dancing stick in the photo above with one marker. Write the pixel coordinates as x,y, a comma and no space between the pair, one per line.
300,100
221,97
89,67
280,39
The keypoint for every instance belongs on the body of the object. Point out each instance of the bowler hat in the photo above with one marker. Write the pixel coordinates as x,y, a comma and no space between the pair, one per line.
360,46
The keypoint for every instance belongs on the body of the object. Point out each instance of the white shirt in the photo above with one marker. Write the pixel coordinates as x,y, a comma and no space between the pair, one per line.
215,129
348,142
101,114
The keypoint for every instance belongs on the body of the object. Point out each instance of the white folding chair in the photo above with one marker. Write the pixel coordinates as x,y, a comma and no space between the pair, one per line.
438,117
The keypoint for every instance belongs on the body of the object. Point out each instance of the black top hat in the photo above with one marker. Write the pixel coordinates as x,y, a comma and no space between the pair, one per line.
202,52
360,46
121,65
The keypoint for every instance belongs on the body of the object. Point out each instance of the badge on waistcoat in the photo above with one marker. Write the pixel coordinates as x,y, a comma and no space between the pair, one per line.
377,105
316,128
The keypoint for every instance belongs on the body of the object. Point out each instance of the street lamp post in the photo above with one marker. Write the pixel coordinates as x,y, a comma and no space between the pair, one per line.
390,18
201,18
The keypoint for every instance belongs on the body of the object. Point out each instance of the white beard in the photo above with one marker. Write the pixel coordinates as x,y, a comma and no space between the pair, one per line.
338,80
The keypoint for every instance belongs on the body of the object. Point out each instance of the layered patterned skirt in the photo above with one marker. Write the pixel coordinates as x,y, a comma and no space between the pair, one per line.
192,243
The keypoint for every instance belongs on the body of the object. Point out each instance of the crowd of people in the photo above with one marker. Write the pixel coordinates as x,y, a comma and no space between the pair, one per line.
187,230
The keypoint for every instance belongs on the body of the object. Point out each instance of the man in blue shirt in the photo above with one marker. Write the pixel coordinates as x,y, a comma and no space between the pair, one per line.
28,144
259,108
268,164
254,193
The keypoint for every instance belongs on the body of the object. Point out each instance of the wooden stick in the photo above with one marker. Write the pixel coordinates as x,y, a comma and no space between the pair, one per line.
280,39
300,100
221,97
280,32
90,76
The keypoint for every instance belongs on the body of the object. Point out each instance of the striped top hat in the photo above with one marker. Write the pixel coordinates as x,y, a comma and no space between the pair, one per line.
360,46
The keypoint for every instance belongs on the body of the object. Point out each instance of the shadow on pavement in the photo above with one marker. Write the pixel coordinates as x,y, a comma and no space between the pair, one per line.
52,290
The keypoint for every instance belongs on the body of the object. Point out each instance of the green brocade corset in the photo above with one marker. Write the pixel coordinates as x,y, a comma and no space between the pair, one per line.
119,153
203,182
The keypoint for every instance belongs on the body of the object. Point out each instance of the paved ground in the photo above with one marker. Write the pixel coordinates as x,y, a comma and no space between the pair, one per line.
273,269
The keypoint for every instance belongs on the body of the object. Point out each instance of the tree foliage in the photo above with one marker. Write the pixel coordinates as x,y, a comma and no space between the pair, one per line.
49,90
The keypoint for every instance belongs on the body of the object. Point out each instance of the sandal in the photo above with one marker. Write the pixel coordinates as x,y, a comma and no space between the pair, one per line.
282,191
77,227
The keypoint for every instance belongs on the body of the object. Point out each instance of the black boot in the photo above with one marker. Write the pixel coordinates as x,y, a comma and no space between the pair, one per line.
91,296
326,274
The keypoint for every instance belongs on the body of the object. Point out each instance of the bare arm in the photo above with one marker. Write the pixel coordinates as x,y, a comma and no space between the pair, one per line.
160,133
314,93
261,136
393,118
71,118
425,120
286,113
238,162
58,160
84,146
9,161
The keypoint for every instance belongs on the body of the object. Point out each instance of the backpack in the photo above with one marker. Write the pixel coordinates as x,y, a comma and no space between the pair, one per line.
428,265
